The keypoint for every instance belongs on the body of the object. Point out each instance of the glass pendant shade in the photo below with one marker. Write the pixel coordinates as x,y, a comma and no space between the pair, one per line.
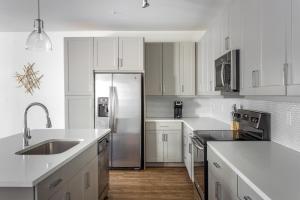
38,40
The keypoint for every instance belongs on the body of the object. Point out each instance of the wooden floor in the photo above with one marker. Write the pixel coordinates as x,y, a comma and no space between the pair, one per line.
152,183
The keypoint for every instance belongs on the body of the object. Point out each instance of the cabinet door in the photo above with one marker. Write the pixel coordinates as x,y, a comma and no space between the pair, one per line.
294,60
171,78
90,177
76,188
153,68
274,21
250,54
235,24
106,53
78,66
187,68
154,146
79,112
131,53
173,146
61,194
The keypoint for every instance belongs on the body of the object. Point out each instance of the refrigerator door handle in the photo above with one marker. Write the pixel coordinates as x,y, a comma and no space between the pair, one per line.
111,100
114,129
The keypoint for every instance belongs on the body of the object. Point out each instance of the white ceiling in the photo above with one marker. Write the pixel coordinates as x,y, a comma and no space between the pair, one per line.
67,15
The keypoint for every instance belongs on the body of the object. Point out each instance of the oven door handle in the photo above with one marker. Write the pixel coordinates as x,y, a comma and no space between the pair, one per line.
222,74
197,144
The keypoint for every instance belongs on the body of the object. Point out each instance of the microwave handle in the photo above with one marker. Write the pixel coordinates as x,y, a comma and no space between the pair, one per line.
222,74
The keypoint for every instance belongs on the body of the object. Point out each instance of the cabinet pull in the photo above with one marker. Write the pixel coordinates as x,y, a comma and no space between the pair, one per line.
247,198
217,165
190,148
182,88
87,180
163,137
166,137
68,196
255,78
285,74
55,183
217,190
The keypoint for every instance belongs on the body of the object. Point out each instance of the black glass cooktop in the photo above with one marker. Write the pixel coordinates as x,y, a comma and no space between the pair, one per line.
224,135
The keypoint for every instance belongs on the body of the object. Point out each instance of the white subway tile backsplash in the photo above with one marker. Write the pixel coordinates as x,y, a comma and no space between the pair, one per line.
285,116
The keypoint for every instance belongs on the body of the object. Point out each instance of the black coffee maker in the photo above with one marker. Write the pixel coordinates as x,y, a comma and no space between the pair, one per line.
178,109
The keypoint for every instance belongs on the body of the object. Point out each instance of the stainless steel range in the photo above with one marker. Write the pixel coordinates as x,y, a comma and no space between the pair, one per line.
254,126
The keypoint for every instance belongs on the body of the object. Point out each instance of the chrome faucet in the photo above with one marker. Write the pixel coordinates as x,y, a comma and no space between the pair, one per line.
27,135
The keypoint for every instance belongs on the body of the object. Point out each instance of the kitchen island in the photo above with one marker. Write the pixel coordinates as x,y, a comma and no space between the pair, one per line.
38,177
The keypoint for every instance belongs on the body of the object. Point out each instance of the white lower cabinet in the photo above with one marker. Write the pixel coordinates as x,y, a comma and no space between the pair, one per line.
163,142
188,151
77,180
221,179
224,183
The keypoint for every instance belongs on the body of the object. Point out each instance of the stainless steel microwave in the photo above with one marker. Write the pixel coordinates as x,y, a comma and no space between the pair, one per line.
227,72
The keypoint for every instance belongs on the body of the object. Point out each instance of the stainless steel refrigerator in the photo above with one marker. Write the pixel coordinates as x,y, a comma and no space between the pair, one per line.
119,106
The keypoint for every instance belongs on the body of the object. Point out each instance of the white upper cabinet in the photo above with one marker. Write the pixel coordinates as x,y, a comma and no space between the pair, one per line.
78,66
235,24
206,65
264,46
171,68
106,53
119,54
187,68
250,51
293,88
274,21
153,68
131,54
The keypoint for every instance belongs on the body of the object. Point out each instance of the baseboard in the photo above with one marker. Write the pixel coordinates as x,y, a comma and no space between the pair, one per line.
162,164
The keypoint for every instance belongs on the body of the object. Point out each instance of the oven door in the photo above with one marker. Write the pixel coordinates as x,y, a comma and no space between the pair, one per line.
199,169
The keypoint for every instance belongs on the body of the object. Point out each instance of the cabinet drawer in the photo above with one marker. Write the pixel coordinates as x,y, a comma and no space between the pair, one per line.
245,192
58,179
163,126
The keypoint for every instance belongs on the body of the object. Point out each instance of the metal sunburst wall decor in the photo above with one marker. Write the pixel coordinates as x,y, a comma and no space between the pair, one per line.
30,79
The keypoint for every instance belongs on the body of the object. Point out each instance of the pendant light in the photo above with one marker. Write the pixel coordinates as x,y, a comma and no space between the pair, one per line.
38,40
145,4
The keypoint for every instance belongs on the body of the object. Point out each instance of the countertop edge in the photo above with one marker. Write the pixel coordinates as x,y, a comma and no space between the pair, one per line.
239,173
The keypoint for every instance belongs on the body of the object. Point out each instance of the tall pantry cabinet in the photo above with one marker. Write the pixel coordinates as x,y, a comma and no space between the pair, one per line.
79,83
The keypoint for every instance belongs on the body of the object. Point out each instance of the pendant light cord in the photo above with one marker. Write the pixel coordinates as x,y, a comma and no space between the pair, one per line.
38,3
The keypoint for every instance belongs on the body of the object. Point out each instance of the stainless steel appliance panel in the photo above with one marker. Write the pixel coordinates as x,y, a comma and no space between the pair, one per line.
127,120
103,89
103,167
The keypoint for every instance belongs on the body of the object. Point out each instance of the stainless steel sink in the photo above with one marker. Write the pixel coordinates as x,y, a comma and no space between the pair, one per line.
49,147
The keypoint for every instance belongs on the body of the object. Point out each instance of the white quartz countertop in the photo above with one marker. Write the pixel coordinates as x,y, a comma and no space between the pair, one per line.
196,123
270,169
28,170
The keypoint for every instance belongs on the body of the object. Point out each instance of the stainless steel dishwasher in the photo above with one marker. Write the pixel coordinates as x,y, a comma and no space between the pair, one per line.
103,167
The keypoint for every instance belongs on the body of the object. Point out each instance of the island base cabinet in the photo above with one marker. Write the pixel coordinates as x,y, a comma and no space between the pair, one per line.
77,180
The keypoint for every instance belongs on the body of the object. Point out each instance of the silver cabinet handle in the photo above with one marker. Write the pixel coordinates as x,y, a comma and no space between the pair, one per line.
182,88
216,165
166,137
217,190
222,74
285,74
247,198
190,148
255,78
68,196
55,183
87,180
121,62
163,137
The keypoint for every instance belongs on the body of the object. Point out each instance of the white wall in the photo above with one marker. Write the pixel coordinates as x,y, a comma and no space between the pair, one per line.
285,113
13,100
